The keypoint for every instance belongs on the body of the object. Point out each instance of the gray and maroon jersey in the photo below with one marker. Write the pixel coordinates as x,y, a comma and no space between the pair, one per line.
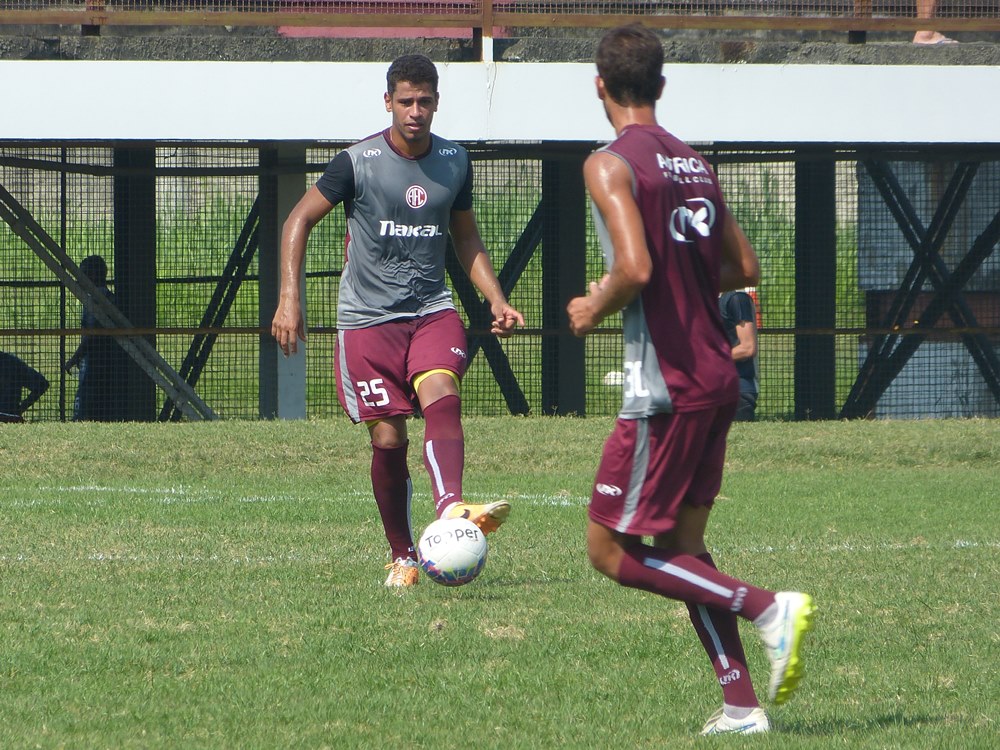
398,213
677,356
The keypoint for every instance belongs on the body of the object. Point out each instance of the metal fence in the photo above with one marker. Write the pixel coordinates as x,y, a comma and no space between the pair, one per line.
880,292
488,16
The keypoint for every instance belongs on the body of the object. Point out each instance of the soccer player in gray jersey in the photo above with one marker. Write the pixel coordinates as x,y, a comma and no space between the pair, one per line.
400,339
671,245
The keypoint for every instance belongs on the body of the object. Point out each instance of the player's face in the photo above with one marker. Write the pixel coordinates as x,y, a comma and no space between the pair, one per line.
412,107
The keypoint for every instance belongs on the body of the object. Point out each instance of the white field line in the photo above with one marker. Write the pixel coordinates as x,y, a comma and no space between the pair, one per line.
294,558
96,495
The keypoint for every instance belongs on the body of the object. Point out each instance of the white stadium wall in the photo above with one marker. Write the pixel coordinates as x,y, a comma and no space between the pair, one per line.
495,102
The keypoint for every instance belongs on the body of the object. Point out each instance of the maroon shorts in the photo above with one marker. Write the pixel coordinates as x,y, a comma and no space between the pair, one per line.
375,366
651,466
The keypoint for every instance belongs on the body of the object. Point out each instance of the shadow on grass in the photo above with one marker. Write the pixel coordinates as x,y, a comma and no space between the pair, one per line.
854,724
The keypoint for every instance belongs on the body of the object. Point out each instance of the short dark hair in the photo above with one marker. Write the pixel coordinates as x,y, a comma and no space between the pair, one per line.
414,69
630,61
95,269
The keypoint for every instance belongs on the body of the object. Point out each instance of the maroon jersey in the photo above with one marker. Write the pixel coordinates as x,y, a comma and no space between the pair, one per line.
677,356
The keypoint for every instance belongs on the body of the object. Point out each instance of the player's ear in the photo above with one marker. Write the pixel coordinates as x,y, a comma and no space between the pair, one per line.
388,101
601,91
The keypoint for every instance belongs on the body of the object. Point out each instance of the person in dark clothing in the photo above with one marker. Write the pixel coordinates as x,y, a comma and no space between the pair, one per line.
100,359
739,314
16,377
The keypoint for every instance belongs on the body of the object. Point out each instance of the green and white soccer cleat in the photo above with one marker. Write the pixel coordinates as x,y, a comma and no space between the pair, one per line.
755,723
783,639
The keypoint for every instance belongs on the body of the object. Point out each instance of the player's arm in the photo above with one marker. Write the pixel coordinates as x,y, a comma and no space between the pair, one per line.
77,357
746,347
740,266
745,325
609,182
288,325
36,384
472,255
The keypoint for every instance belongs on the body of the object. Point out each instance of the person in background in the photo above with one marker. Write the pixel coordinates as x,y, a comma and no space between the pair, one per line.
16,377
739,315
670,246
101,361
927,9
401,344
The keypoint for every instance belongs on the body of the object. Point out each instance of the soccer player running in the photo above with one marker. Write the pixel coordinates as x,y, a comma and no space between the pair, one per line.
400,339
670,246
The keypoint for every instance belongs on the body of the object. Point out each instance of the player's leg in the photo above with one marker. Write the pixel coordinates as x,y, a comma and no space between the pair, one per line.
372,388
661,475
782,618
652,470
393,492
788,615
437,360
719,634
444,438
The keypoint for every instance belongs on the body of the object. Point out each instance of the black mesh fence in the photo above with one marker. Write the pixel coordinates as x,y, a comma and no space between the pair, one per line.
880,292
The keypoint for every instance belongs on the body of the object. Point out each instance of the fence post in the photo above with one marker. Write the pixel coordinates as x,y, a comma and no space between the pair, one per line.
564,275
282,392
815,286
135,265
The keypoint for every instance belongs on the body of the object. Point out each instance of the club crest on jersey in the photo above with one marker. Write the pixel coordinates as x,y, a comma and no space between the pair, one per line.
698,217
370,152
416,196
448,151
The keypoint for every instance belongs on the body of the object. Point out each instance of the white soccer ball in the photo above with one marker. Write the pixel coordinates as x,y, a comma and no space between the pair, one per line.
452,551
615,377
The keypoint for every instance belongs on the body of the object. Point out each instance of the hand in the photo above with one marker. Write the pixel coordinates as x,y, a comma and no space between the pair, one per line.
288,327
505,320
581,310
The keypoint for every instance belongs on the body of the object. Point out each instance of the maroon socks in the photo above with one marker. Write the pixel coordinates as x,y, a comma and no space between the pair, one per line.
393,492
444,450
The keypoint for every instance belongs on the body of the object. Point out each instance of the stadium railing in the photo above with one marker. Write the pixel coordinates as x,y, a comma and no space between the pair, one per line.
485,18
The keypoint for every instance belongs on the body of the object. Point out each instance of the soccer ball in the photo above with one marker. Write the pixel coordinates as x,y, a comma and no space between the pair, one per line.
452,551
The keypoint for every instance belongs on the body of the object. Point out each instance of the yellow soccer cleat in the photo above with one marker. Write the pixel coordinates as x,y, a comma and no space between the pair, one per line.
403,572
783,639
487,517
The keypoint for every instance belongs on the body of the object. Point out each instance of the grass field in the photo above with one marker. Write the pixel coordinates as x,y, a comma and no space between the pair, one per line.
219,586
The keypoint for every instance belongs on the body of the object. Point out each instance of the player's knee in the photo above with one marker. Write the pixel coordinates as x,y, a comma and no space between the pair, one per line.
604,559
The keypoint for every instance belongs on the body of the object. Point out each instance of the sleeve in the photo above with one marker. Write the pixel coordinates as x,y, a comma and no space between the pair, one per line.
463,201
337,182
745,308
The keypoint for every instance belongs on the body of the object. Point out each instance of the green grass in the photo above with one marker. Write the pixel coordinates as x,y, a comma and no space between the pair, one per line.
219,585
